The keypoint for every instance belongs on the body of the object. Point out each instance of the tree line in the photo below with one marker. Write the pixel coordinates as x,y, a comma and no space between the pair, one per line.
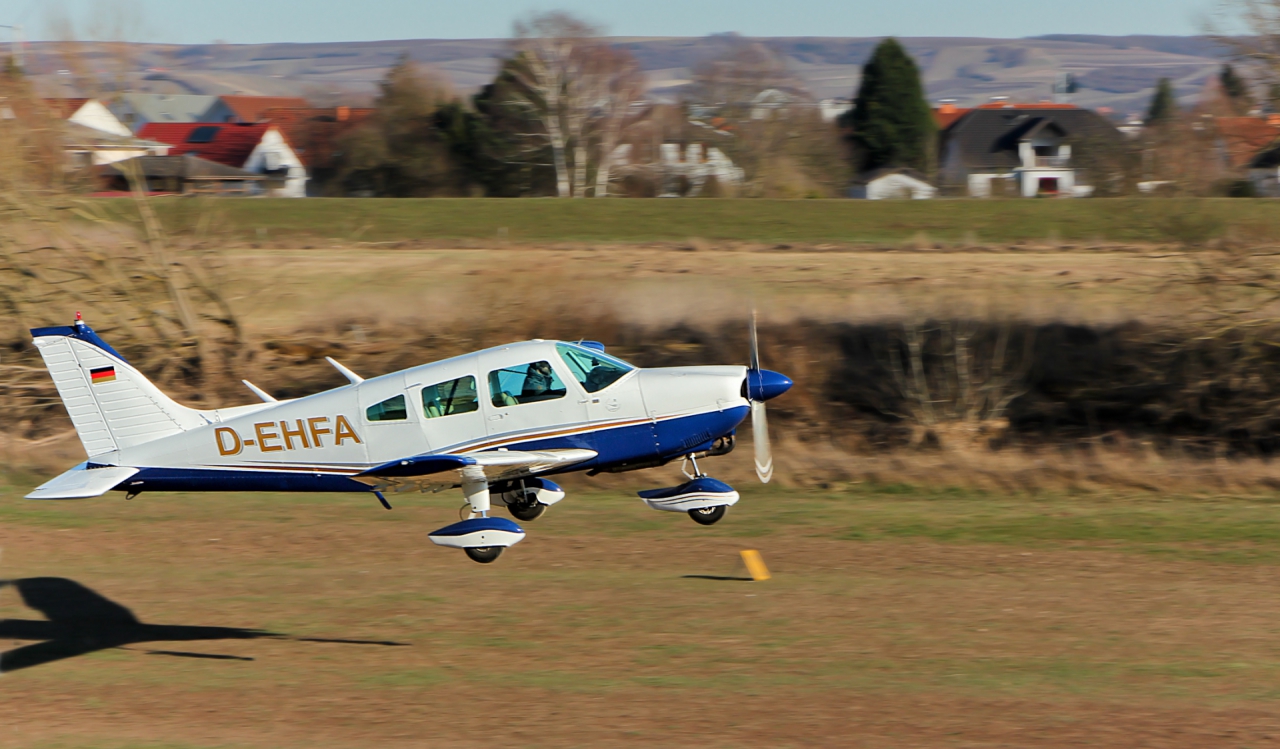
567,115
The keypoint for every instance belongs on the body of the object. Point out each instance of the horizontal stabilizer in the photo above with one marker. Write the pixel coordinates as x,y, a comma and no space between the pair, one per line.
82,482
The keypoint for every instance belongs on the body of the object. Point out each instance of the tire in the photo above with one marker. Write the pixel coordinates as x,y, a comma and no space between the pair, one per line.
527,512
708,515
484,554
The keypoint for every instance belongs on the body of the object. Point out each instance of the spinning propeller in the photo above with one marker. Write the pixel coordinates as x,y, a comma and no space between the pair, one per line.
762,385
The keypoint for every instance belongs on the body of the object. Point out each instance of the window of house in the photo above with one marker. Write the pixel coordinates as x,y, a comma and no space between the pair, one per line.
526,383
391,409
595,370
449,398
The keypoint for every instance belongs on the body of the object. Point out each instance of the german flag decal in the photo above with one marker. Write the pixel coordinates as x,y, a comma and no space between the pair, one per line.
102,374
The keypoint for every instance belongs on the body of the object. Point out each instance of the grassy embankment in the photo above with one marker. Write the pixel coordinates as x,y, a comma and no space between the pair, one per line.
770,221
903,616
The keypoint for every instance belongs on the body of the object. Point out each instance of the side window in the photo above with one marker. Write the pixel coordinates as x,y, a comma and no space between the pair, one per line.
391,409
594,370
449,398
526,383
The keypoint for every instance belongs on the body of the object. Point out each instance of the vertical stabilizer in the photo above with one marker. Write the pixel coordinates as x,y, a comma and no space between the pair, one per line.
111,404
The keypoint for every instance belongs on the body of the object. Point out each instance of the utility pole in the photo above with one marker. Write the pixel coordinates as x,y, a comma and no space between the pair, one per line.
15,39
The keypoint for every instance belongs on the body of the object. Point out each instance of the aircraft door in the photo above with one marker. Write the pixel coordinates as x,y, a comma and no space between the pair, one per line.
622,430
525,396
390,420
450,412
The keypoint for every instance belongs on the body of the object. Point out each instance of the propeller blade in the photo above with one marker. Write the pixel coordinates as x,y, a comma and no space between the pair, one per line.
755,345
760,435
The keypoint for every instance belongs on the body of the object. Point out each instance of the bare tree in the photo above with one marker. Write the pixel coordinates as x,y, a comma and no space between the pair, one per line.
548,69
579,90
622,85
1251,30
764,119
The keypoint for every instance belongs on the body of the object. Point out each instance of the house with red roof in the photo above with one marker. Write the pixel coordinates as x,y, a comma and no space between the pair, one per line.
251,108
254,147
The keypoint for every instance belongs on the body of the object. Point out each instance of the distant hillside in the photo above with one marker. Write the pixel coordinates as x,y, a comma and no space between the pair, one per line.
1119,72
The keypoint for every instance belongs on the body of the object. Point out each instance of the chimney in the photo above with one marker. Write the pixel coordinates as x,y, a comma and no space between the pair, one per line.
947,106
342,113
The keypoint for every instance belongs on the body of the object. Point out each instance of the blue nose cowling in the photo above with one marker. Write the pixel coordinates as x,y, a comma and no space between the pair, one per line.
763,385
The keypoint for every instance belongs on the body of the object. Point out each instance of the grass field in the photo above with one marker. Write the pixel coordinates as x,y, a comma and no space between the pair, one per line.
897,617
767,221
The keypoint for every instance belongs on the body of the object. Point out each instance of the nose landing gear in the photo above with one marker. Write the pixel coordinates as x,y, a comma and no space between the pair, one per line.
704,499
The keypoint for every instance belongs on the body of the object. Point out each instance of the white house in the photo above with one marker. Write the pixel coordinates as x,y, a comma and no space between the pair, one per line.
1022,150
90,113
273,156
889,184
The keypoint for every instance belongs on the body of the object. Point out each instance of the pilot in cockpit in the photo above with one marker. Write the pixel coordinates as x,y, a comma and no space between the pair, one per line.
538,381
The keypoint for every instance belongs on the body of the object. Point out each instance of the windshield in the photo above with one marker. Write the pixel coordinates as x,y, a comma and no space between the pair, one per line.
592,369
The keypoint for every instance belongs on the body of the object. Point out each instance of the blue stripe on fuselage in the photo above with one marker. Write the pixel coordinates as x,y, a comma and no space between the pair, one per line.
617,446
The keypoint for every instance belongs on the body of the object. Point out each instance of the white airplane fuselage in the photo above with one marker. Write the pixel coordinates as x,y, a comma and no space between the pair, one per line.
318,442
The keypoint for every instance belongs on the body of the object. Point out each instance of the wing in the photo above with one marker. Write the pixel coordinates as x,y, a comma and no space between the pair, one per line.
433,473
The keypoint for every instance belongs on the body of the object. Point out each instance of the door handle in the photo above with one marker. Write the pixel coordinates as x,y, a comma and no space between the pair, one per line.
497,417
590,400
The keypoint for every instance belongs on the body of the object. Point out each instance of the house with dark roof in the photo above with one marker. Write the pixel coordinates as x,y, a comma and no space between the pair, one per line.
1264,172
255,147
137,111
1022,149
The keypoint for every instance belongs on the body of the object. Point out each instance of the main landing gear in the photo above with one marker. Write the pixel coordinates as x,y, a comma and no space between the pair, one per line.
481,538
704,499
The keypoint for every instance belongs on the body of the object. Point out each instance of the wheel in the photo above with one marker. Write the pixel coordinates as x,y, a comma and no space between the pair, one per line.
484,554
708,515
527,511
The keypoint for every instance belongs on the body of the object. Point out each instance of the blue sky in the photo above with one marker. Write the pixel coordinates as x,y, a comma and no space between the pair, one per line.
256,21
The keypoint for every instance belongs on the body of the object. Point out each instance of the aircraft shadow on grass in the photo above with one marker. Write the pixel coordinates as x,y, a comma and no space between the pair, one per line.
79,621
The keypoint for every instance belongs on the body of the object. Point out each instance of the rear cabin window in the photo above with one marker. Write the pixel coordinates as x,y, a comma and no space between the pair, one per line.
526,383
449,398
391,409
595,370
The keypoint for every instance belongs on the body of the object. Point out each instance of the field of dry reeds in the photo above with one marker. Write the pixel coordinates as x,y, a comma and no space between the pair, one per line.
1020,368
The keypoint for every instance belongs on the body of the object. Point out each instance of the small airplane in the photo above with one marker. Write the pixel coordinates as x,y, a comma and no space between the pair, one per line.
493,423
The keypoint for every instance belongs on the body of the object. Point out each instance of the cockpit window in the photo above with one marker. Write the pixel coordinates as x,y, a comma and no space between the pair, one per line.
391,409
449,398
525,383
593,369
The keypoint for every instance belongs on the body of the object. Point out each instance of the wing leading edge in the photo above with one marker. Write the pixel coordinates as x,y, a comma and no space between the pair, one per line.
436,472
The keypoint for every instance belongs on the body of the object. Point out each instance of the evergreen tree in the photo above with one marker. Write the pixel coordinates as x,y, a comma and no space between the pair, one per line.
1163,105
891,121
1235,88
